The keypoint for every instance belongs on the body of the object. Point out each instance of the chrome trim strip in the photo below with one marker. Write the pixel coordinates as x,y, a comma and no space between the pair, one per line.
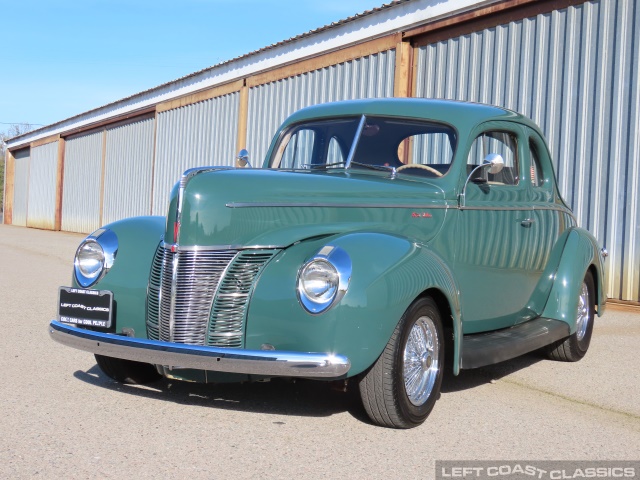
356,140
230,360
509,209
174,295
334,205
201,248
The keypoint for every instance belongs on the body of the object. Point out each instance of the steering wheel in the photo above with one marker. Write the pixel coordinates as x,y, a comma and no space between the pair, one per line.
419,165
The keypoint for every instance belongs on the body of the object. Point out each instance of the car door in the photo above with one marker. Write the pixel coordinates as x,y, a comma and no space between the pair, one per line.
551,217
495,233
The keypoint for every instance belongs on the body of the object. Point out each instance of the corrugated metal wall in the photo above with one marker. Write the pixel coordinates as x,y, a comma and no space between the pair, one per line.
128,170
82,183
21,187
271,103
575,72
42,186
203,133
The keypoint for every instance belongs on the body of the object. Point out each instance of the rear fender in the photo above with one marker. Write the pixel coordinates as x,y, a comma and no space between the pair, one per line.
580,254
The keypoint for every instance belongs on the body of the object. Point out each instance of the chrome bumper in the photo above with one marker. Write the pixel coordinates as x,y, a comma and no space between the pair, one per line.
253,362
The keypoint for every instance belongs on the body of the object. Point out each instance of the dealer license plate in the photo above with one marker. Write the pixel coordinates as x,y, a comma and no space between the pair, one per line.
92,308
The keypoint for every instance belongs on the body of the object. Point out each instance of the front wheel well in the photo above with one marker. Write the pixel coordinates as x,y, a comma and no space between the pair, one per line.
447,322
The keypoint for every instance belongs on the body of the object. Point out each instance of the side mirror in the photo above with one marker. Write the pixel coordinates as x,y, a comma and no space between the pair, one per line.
494,163
243,158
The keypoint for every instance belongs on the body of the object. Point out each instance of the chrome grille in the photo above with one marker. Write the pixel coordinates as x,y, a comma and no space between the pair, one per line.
212,289
226,324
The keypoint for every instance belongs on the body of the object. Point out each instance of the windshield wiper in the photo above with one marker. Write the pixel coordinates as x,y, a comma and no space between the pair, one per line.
384,168
313,166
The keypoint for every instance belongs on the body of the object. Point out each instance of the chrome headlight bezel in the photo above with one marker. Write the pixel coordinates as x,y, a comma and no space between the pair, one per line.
104,241
329,258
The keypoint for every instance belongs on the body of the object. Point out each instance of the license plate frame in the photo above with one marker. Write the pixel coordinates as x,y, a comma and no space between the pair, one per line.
89,308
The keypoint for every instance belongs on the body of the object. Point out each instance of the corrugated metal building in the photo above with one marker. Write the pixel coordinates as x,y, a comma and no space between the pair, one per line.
571,65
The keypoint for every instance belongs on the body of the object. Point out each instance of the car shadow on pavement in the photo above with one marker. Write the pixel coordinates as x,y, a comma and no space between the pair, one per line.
280,397
480,376
287,397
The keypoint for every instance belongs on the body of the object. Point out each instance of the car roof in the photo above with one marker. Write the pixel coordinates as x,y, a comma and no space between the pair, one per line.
459,114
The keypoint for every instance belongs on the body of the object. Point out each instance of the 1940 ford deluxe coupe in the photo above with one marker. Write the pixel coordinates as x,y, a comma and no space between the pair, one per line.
378,236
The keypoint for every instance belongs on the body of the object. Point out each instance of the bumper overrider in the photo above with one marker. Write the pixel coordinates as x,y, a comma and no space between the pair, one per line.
230,360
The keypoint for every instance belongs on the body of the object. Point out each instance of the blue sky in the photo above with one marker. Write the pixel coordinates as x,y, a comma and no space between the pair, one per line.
61,58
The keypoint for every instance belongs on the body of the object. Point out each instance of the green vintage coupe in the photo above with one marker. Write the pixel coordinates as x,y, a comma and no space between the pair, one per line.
378,238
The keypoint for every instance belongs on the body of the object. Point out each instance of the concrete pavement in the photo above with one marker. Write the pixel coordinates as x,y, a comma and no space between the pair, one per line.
63,418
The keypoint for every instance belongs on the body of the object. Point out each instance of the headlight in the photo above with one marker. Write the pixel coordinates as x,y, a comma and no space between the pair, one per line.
90,259
95,256
324,279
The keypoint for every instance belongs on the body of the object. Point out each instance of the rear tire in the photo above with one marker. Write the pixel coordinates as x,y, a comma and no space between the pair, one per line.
401,388
127,371
574,347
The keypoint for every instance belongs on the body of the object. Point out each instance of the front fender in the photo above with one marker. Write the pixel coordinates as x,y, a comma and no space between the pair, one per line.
581,253
389,273
128,278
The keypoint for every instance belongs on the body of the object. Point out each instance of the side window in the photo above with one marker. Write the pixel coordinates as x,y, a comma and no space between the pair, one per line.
433,148
335,155
299,150
502,143
537,178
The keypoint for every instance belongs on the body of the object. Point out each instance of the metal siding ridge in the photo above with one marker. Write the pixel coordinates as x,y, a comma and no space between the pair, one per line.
22,160
574,71
198,134
42,186
81,191
129,157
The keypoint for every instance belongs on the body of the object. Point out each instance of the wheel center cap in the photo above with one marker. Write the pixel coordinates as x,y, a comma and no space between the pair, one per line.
426,361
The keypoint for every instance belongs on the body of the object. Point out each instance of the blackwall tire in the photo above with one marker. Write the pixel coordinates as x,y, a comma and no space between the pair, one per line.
575,346
401,388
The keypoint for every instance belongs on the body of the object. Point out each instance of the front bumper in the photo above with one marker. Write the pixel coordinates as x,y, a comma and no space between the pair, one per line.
271,363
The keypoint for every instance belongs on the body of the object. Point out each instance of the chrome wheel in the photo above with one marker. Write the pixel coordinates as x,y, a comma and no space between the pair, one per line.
583,314
421,364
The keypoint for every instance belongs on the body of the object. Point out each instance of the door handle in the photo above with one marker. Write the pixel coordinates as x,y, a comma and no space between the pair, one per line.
527,222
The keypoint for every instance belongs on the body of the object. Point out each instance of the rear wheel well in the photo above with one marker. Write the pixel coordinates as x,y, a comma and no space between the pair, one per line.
597,285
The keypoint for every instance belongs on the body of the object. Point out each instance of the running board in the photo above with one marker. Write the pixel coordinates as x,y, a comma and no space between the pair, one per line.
480,349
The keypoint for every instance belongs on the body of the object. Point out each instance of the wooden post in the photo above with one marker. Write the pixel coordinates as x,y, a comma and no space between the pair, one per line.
57,225
402,86
243,117
9,179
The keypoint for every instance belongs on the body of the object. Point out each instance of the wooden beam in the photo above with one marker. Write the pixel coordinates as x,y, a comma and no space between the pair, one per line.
243,118
44,141
403,73
9,181
378,45
131,116
498,13
201,96
57,225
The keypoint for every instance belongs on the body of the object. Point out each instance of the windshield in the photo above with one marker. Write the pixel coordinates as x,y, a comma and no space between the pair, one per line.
381,143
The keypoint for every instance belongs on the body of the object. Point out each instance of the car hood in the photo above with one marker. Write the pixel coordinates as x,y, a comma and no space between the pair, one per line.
259,207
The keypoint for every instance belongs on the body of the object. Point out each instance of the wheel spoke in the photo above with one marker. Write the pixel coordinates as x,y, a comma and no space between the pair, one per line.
421,361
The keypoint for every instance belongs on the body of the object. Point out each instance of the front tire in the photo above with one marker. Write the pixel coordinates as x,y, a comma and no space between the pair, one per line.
401,388
575,346
127,371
